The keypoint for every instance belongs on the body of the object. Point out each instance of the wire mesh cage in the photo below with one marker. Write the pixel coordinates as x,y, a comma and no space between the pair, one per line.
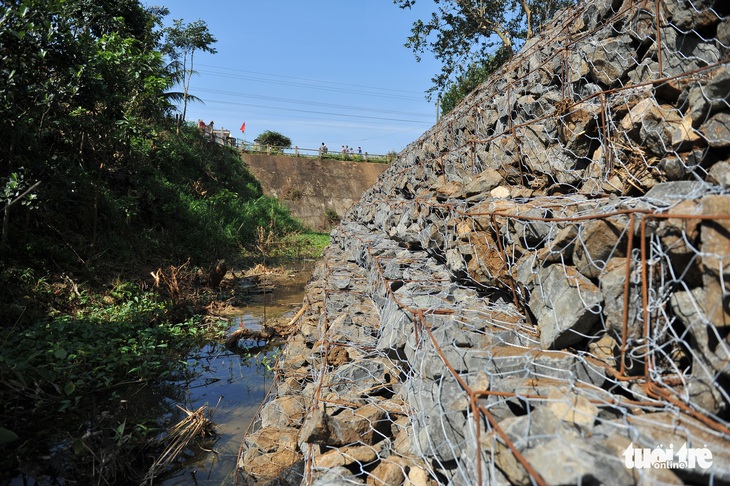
536,291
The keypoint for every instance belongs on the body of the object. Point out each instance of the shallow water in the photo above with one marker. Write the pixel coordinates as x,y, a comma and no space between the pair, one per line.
237,383
232,385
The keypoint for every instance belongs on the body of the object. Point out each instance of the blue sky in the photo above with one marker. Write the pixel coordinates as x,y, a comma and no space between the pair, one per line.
332,71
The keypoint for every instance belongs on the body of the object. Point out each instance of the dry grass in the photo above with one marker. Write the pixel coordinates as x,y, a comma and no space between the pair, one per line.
195,425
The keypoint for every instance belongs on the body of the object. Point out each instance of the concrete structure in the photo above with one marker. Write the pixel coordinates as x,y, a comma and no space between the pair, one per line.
317,192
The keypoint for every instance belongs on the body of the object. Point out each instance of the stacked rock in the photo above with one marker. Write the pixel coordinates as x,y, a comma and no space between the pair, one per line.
535,292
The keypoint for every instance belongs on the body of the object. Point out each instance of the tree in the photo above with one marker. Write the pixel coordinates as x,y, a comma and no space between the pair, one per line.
274,139
462,33
75,94
182,40
468,81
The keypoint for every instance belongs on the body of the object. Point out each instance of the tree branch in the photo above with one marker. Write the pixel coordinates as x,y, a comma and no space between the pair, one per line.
23,195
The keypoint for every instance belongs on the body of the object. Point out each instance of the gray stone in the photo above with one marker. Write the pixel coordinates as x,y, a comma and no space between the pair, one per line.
283,412
723,34
395,327
661,128
565,460
674,431
713,359
339,282
610,59
705,97
559,163
566,305
335,476
364,425
720,174
684,52
593,14
669,193
532,230
700,15
613,288
507,362
354,381
641,26
596,243
430,362
483,183
717,131
455,261
715,262
438,430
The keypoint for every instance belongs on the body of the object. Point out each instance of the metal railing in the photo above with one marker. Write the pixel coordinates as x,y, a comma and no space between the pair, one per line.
223,137
296,151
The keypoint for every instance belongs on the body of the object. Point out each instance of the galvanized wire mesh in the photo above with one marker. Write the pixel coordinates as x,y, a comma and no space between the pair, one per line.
537,289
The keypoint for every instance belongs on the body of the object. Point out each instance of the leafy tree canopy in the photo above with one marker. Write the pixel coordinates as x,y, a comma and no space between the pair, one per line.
475,74
462,33
274,139
88,157
181,42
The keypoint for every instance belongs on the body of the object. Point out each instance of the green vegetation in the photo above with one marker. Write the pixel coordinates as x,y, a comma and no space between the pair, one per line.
375,159
275,140
297,246
462,34
182,40
467,82
112,212
59,363
331,217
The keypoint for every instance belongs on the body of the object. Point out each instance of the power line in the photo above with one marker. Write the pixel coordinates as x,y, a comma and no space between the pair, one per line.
299,82
330,89
311,103
317,112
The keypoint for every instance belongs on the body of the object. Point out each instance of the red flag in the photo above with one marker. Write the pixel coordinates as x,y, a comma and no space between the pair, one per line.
243,127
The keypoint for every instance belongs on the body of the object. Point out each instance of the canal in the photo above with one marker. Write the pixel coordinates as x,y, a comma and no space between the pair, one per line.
234,384
228,385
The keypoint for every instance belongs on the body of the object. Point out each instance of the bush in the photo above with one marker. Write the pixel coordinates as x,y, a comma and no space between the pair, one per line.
274,139
331,217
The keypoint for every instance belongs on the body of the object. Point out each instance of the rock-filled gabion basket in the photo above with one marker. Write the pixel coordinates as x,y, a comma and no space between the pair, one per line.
536,291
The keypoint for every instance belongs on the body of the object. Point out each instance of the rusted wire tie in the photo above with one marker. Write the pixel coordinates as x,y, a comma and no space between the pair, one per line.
520,458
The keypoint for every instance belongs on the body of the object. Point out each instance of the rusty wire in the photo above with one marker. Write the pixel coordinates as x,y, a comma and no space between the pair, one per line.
483,252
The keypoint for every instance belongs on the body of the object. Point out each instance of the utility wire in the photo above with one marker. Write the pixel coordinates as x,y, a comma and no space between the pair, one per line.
313,83
316,112
312,103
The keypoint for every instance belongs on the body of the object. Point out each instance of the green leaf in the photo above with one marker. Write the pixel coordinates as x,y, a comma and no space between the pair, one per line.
119,431
78,446
7,436
60,353
69,388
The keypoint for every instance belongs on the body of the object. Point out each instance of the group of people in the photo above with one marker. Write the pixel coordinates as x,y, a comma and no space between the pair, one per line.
346,150
203,127
349,150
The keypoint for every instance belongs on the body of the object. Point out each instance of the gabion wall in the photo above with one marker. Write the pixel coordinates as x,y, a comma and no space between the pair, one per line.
536,292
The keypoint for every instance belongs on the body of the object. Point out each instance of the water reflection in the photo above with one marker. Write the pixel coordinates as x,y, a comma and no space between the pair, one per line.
234,384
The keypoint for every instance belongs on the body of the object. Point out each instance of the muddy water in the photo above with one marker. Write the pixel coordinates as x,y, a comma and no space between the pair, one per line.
234,385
